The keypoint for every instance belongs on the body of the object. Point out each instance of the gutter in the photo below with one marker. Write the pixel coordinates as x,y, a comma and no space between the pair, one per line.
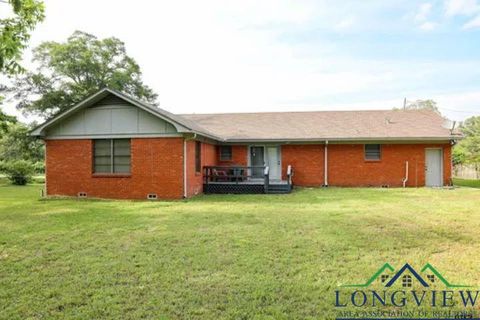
346,139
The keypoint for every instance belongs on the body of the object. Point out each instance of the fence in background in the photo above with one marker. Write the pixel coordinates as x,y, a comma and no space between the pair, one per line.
467,171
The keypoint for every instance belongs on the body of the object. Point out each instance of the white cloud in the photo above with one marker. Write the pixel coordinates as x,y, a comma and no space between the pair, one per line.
474,23
428,26
461,7
345,24
423,12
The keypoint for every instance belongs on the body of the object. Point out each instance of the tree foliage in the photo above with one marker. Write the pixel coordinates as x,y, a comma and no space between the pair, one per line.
468,149
5,121
19,172
69,71
428,104
15,32
17,144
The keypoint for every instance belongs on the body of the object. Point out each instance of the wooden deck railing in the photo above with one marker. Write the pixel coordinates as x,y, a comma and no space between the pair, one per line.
233,174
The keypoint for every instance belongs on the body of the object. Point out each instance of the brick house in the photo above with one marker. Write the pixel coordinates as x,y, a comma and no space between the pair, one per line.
113,146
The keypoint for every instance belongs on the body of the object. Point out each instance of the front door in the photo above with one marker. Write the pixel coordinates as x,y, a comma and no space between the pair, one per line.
257,160
433,167
273,162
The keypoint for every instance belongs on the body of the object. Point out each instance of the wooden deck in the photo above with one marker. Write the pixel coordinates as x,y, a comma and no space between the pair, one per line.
238,180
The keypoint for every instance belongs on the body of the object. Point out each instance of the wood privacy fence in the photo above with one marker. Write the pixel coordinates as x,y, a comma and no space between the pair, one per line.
467,171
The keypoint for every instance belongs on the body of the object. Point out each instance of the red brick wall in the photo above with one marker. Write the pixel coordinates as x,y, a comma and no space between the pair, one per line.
307,162
157,167
239,156
194,179
347,167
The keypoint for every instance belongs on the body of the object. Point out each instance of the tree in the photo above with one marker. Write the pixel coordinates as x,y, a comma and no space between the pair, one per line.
15,32
422,105
5,120
17,144
67,72
468,149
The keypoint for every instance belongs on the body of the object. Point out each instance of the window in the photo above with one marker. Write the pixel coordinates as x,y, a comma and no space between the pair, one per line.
198,156
111,156
407,281
225,153
372,152
431,277
384,277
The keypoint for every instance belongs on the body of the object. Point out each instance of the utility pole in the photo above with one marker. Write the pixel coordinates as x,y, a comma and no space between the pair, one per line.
405,103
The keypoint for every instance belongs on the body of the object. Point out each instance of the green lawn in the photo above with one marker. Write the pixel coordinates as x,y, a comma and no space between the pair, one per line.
215,257
467,182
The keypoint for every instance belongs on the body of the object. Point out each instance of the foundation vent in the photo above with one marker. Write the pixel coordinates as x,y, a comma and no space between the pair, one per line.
152,196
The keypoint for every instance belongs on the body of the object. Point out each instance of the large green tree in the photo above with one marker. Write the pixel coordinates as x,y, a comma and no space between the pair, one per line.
15,31
69,71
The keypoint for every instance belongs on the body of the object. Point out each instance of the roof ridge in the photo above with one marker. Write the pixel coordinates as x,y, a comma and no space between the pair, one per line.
303,111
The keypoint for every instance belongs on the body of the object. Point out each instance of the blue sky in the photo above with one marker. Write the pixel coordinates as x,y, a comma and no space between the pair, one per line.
239,56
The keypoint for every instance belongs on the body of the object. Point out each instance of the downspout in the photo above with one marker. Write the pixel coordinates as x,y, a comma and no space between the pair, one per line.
45,163
185,180
405,179
325,166
184,168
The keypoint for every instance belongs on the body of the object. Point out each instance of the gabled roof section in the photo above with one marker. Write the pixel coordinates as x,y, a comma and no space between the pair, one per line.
181,124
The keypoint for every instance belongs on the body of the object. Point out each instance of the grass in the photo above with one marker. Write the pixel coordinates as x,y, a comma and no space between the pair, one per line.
222,257
467,182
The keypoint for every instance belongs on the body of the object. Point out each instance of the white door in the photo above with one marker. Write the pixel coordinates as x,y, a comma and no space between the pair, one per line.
273,162
433,167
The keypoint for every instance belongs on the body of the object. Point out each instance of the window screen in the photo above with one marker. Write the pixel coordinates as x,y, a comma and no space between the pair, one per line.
198,156
372,152
111,156
225,153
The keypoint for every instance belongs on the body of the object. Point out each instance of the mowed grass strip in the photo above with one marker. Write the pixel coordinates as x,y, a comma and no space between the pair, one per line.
471,183
223,257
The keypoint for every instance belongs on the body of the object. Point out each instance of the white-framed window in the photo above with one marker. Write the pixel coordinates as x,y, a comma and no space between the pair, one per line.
111,156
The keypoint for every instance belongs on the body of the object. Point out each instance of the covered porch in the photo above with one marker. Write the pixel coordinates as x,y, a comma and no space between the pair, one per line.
244,180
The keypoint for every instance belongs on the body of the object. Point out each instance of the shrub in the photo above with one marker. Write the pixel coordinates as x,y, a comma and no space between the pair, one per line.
19,172
39,167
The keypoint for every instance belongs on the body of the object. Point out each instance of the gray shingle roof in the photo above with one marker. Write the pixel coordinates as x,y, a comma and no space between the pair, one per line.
333,125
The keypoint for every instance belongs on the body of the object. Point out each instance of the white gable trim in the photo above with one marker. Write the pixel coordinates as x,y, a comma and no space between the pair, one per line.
179,124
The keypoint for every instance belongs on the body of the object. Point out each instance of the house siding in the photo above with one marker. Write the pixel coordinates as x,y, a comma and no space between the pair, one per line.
156,167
